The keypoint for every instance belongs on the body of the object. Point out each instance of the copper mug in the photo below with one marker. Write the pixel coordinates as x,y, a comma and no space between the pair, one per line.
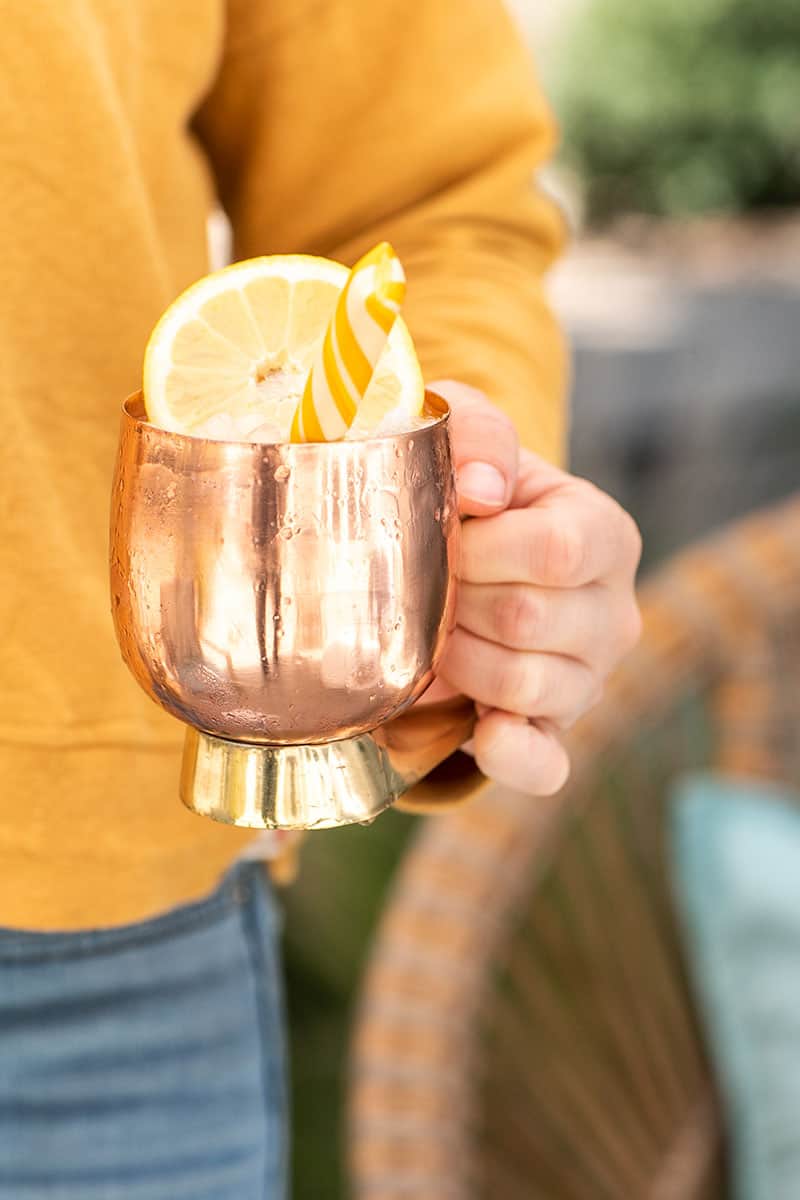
288,603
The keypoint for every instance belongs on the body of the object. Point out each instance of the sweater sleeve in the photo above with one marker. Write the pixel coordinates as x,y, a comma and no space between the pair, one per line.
334,124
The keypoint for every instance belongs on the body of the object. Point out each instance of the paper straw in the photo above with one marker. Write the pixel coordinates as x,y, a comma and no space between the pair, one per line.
365,312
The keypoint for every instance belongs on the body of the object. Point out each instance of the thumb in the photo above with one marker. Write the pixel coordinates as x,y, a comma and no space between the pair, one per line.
484,447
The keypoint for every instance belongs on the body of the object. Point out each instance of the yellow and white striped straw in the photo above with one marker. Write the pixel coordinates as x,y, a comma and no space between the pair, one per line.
365,312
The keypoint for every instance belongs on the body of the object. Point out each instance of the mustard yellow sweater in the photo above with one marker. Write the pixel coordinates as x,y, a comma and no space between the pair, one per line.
321,126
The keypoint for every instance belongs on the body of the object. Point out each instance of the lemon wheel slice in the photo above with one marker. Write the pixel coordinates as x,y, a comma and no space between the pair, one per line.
239,344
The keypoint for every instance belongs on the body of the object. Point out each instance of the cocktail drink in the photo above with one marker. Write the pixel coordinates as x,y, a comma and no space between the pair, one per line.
287,598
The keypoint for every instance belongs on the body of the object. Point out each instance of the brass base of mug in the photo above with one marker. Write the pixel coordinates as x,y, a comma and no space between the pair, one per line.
288,787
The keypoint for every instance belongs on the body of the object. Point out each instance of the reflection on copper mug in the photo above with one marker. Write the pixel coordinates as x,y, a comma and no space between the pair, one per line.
284,597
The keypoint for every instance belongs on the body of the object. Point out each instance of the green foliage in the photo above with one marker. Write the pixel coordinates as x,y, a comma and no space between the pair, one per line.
683,106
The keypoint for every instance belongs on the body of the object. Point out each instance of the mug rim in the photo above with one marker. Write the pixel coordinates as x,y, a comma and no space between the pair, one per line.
133,412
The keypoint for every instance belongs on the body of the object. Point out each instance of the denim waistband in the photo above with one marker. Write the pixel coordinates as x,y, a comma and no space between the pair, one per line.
235,887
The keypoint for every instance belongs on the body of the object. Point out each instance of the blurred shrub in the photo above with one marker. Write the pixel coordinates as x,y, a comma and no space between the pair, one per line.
683,106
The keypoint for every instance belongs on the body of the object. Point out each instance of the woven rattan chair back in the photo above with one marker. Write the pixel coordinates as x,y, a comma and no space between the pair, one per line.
526,1029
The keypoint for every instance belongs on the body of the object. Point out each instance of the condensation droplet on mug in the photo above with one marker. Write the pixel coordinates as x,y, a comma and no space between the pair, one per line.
281,473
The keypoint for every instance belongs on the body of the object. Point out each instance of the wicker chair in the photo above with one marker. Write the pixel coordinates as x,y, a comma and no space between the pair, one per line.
526,1029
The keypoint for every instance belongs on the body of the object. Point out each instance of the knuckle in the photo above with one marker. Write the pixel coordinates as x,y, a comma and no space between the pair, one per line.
519,617
619,522
515,688
532,690
562,554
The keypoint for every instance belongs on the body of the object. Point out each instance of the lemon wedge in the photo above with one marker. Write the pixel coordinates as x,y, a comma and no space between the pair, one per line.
230,356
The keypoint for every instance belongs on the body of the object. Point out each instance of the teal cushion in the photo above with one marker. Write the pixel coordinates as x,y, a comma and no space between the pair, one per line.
736,867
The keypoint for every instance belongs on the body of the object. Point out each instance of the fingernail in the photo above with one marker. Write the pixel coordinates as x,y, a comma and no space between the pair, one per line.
481,482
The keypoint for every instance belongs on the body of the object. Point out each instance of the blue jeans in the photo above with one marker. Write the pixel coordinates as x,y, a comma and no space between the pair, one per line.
147,1062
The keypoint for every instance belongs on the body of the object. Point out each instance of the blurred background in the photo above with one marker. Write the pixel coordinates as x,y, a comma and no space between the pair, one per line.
680,173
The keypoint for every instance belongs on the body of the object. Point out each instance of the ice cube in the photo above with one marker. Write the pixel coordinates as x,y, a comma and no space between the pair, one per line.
265,432
390,426
242,427
218,427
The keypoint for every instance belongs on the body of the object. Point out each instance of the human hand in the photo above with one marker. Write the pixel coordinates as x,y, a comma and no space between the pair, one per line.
546,604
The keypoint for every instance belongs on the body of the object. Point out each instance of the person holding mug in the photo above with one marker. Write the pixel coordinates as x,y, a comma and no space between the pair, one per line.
141,1037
